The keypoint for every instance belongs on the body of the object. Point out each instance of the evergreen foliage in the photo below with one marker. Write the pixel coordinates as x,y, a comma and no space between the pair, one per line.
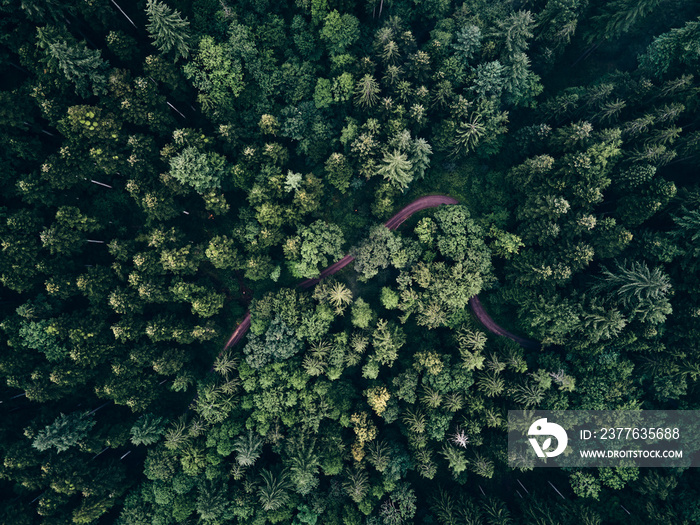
147,430
202,171
65,432
167,28
419,167
81,66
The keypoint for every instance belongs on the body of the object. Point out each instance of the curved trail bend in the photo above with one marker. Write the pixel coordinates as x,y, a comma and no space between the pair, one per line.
422,203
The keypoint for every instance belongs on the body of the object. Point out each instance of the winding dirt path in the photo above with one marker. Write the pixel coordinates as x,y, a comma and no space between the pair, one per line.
239,332
422,203
491,326
429,201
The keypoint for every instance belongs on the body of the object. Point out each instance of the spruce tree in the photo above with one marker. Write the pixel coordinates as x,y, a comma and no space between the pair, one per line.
356,484
64,432
397,169
304,463
467,42
81,66
249,447
168,29
147,430
272,491
634,282
366,91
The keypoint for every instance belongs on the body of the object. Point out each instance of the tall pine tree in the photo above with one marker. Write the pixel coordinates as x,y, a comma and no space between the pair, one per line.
168,29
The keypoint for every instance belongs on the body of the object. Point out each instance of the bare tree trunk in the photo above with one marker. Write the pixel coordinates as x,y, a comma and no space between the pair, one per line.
99,407
101,184
556,489
125,15
176,110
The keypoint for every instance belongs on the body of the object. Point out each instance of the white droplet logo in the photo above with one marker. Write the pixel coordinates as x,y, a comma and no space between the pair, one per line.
542,427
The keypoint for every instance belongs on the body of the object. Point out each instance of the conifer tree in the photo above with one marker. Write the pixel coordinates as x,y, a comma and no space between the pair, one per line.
468,41
64,432
147,430
168,29
516,30
304,463
81,66
356,484
339,296
366,91
212,503
635,282
456,459
671,51
249,447
618,17
421,157
396,168
272,491
468,134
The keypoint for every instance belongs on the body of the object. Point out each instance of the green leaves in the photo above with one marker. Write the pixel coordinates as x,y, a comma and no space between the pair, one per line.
40,336
356,484
618,17
303,465
670,51
456,459
387,339
65,432
338,171
469,133
204,301
67,233
168,29
217,74
279,344
147,430
81,66
641,291
478,128
273,490
376,252
467,41
396,169
213,403
320,244
248,448
339,296
366,91
516,30
584,485
201,171
222,252
490,79
339,32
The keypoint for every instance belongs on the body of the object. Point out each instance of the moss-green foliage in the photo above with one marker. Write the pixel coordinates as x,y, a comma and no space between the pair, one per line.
165,165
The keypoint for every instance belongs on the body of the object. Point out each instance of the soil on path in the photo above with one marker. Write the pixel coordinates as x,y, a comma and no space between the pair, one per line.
491,326
422,203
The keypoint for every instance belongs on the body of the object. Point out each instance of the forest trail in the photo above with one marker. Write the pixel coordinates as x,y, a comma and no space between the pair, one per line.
239,332
422,203
491,326
429,201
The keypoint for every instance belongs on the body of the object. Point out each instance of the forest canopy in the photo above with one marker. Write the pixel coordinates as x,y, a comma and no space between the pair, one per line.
355,184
